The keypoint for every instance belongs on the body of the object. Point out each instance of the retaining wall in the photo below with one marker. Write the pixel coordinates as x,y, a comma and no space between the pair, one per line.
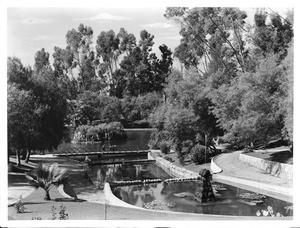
174,170
277,169
214,167
113,200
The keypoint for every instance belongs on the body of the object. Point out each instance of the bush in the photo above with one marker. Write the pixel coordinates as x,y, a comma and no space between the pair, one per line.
157,137
101,132
181,159
19,205
168,158
164,147
198,154
186,147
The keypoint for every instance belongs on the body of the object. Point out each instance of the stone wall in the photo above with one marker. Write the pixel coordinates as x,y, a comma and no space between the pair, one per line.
174,170
277,169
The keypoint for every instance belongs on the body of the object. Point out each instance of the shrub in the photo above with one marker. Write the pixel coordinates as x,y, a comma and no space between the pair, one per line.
186,147
181,159
164,147
62,213
45,176
19,205
198,154
100,132
168,158
157,137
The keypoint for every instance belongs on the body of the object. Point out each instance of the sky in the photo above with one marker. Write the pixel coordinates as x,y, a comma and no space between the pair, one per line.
31,28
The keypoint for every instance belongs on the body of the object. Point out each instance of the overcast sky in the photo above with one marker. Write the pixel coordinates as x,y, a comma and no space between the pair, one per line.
30,29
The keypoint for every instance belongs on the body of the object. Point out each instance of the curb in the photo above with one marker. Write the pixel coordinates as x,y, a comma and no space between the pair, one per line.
278,192
213,165
285,194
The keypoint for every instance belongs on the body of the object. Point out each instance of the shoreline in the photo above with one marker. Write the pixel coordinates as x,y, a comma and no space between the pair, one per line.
92,196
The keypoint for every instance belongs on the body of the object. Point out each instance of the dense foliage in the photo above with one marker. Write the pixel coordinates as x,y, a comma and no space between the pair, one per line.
45,176
101,132
36,108
119,79
237,80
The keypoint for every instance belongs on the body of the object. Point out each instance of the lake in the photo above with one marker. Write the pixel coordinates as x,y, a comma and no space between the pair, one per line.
137,140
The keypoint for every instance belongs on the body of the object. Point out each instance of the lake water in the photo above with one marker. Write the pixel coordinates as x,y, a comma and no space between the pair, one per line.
127,171
137,140
179,197
164,196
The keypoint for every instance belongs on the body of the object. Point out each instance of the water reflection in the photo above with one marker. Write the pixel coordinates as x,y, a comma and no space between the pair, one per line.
179,197
136,140
128,171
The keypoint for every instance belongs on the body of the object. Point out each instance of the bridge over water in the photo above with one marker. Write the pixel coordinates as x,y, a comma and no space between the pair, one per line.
84,152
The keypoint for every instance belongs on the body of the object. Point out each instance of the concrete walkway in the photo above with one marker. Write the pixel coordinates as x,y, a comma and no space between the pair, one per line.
235,170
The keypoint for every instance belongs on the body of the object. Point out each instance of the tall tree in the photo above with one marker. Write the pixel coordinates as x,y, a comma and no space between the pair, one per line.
17,73
127,41
21,123
41,60
82,56
36,111
107,49
141,71
206,37
287,94
242,79
271,37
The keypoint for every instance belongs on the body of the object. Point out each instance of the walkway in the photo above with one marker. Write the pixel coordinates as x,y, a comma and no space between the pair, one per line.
37,207
83,187
243,173
233,168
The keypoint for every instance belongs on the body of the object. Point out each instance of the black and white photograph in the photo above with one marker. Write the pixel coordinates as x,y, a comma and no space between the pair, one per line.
148,115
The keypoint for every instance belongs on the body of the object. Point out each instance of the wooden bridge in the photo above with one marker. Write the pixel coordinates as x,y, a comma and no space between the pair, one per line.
82,152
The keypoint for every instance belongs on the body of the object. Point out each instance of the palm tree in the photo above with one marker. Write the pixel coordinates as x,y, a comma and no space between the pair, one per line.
45,176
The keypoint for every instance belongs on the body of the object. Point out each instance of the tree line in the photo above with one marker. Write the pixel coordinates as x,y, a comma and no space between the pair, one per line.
118,79
236,83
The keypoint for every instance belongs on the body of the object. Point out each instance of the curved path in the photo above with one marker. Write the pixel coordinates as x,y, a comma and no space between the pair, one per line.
238,171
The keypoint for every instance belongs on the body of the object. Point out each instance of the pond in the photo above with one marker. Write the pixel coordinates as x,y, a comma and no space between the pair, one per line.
137,140
179,197
175,196
127,171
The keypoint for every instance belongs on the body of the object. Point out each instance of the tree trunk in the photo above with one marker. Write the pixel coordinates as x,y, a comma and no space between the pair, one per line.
205,138
47,195
23,153
27,156
18,157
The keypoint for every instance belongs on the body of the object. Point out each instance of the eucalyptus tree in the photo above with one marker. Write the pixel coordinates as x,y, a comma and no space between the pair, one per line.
210,35
273,36
108,52
80,55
